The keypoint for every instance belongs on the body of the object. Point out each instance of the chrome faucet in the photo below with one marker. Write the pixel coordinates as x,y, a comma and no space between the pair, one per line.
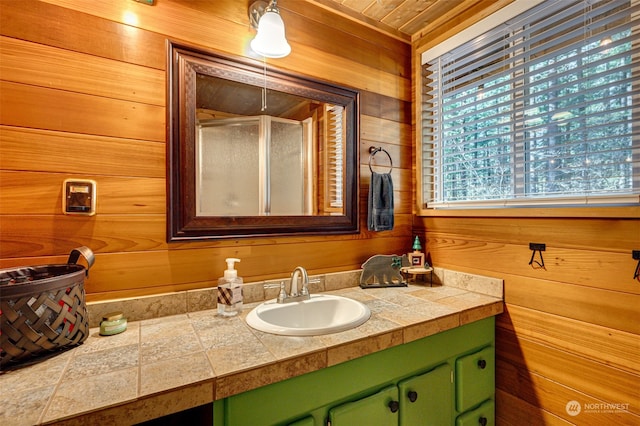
293,295
304,293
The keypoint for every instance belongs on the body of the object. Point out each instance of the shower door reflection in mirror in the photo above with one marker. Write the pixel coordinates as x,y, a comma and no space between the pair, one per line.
254,166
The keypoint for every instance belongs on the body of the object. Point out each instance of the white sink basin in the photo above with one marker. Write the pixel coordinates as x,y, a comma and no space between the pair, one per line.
321,314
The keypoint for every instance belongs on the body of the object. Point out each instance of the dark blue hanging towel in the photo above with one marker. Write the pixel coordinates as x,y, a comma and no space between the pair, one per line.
380,202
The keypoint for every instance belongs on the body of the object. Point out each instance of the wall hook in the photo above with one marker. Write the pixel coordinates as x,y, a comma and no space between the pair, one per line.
537,247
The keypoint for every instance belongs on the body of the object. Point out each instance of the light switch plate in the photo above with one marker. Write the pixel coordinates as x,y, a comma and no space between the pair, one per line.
79,197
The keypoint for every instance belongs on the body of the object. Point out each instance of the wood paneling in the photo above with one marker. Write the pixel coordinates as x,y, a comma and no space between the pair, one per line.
570,332
401,177
512,411
60,152
385,107
144,272
598,269
618,349
83,96
375,130
67,29
448,24
531,399
43,194
592,305
333,56
390,53
42,235
29,106
400,158
45,66
586,233
408,20
599,381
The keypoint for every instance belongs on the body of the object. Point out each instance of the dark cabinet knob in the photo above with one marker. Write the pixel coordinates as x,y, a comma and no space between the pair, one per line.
482,364
482,420
413,396
394,406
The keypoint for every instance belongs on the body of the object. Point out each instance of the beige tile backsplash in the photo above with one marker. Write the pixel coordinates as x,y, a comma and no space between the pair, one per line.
147,307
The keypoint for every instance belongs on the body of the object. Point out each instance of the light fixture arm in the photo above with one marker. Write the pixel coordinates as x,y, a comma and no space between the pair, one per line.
259,8
256,10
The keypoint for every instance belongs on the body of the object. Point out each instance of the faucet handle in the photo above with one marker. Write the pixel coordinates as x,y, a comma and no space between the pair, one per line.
283,293
273,285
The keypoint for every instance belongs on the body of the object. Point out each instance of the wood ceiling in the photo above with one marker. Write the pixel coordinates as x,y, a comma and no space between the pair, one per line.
410,19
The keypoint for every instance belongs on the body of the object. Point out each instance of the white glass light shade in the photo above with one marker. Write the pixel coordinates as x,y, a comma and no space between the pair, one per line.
270,40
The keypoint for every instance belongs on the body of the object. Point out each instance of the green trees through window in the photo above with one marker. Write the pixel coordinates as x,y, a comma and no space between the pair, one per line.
538,109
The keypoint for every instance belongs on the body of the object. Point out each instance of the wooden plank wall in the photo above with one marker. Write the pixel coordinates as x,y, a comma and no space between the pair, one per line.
83,89
570,331
83,95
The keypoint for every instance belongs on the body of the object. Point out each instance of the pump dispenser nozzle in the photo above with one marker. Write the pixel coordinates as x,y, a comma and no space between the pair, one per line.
230,290
230,272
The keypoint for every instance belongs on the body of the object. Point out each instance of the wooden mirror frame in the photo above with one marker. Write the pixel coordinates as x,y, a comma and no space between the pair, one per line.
182,223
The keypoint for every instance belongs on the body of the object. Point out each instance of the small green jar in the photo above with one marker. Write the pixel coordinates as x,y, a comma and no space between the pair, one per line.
113,323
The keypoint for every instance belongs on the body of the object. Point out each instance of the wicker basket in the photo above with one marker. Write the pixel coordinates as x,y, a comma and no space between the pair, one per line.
43,308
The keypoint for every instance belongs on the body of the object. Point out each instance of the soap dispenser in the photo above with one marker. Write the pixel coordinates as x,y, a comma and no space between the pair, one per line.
230,291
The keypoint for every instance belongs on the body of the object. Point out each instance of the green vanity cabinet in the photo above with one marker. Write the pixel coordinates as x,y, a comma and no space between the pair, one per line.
379,409
475,378
425,399
484,415
307,421
431,381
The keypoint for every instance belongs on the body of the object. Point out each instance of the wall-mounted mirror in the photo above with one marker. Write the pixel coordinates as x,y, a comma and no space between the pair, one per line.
256,151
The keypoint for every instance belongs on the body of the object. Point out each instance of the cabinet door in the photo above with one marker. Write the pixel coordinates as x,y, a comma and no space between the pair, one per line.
380,409
484,415
475,378
427,399
307,421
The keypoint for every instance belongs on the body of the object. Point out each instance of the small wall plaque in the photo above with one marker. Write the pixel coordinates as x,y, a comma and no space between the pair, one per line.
79,197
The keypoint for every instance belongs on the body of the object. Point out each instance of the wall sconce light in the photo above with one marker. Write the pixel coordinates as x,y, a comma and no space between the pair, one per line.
270,41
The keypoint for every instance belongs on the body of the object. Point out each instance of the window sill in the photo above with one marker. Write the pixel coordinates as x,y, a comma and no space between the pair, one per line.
621,212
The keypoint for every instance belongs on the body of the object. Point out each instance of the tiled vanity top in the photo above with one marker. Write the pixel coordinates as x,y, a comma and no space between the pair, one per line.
163,365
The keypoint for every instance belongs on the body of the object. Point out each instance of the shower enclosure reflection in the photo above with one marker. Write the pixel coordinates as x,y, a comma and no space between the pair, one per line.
254,166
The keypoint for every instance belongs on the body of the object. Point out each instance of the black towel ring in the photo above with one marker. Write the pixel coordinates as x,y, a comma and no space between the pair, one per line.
373,151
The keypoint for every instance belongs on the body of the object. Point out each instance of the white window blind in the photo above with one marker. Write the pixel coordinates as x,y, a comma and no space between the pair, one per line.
544,108
335,154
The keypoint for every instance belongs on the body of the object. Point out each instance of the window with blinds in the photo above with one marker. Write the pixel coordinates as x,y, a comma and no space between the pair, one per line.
542,109
335,156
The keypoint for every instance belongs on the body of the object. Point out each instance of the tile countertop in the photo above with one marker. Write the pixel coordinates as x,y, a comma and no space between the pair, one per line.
164,365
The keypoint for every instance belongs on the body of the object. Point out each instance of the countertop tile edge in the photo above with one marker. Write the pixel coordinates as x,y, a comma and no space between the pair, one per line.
190,395
146,408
